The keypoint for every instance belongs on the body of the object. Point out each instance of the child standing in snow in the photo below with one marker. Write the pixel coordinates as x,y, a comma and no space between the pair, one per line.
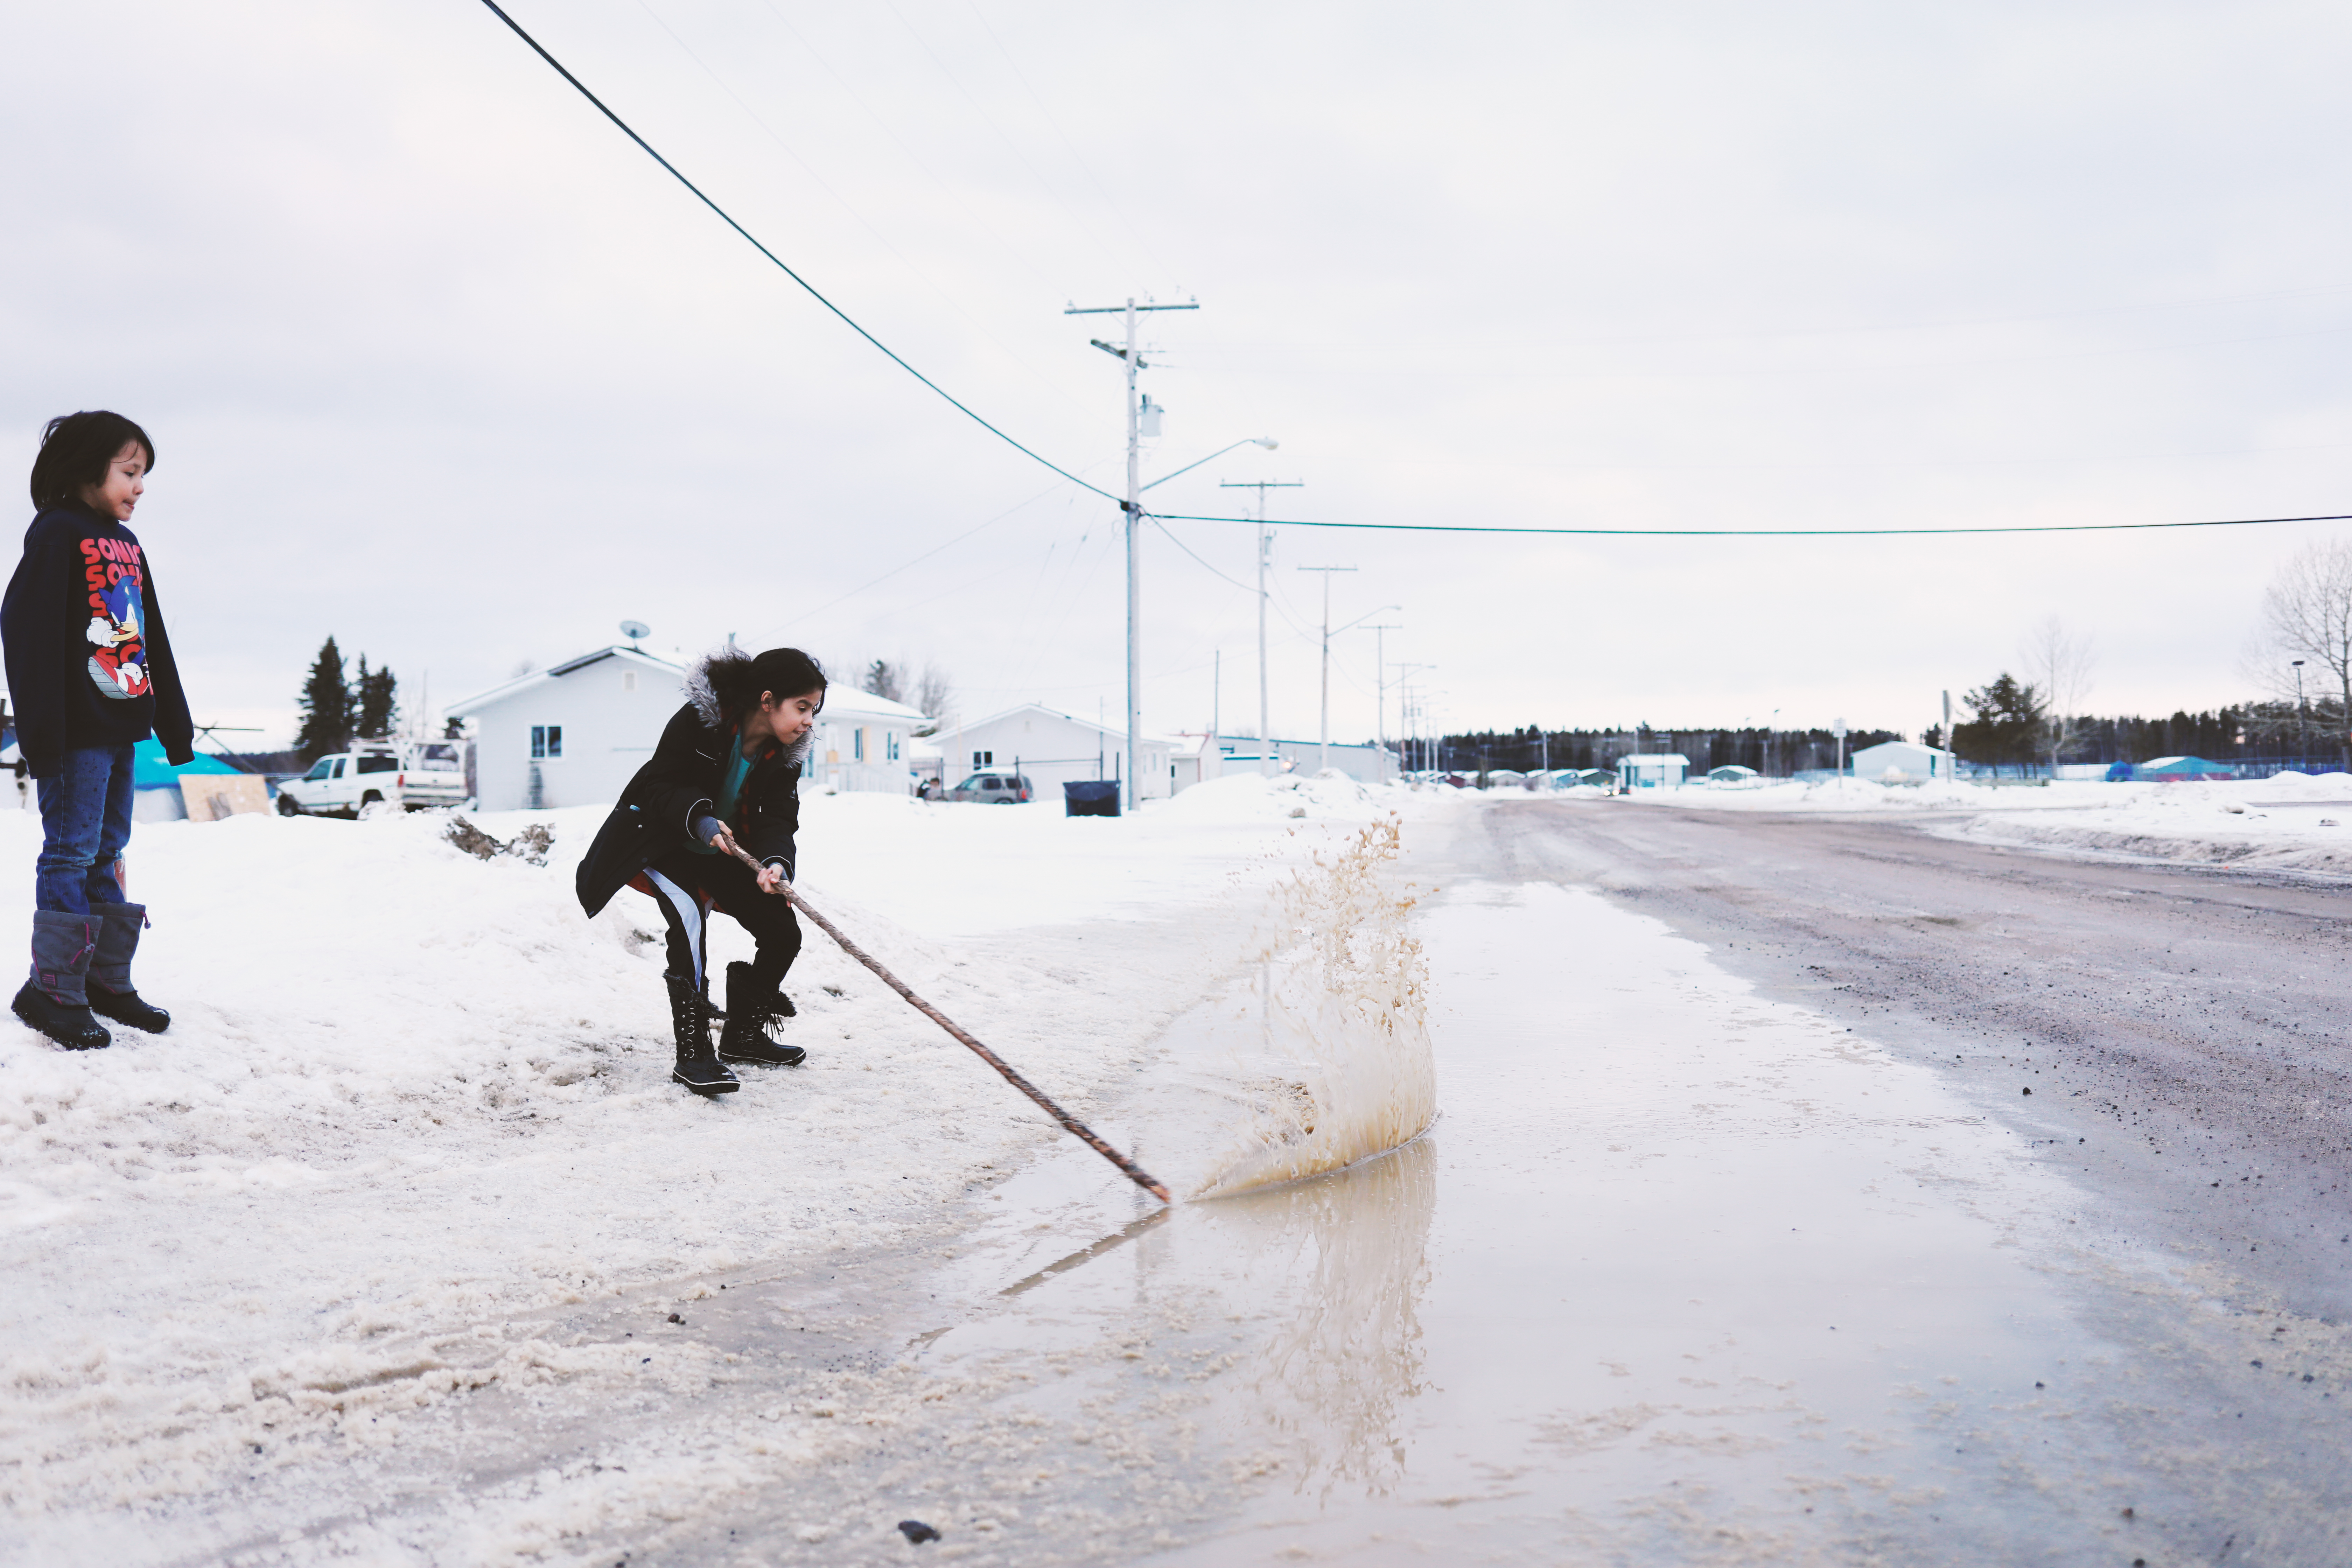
727,772
90,671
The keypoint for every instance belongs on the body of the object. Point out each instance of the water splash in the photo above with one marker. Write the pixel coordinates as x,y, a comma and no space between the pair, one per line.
1344,1070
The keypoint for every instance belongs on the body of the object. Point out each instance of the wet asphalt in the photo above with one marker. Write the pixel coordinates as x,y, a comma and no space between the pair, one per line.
2173,1037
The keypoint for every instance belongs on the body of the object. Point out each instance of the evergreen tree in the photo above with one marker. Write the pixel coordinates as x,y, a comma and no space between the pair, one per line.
326,704
883,679
2005,721
376,696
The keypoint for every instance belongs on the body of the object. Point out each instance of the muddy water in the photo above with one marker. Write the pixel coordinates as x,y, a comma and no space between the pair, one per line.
1679,1275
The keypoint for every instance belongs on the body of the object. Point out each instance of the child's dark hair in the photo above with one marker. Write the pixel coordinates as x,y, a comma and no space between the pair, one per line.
76,449
738,679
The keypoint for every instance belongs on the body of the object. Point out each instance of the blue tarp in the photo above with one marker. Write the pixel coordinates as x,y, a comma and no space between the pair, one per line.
2182,768
150,771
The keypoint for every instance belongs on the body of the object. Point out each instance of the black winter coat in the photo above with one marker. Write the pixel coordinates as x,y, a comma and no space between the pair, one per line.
88,661
656,812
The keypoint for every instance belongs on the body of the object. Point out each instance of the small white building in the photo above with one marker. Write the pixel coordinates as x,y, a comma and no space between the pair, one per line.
865,743
1198,761
576,733
1051,748
1369,764
1665,771
1902,762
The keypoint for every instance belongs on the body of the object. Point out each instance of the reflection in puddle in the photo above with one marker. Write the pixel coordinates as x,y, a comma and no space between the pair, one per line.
1353,1249
1085,1254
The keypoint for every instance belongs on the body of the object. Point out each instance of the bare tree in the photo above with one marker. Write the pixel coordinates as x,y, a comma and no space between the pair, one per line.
934,698
2307,614
2060,665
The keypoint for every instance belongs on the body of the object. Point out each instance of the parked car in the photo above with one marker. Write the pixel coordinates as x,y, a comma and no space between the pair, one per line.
994,789
412,775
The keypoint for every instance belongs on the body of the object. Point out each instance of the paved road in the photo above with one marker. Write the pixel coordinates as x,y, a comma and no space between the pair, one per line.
2182,1030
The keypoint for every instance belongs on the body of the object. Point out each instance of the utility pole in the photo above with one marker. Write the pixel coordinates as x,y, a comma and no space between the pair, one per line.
2302,718
1407,710
1381,696
1323,739
1133,507
1265,556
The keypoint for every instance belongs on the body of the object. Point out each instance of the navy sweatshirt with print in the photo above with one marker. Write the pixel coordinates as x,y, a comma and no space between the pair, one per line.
88,661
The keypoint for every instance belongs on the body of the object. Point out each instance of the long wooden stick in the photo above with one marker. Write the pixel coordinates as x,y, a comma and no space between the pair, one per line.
1077,1128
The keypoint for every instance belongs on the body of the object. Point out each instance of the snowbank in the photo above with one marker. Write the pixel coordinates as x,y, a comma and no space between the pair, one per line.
407,1093
2292,821
1870,794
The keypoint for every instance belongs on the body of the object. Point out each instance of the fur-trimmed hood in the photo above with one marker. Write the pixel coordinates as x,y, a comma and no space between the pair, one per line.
704,697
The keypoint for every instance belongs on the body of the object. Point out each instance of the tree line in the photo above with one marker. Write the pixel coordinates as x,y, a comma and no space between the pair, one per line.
338,709
2010,725
1776,752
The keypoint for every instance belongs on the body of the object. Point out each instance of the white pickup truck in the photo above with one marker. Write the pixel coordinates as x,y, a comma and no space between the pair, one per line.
411,774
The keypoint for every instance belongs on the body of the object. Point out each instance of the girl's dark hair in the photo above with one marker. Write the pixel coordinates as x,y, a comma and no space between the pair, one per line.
76,449
737,679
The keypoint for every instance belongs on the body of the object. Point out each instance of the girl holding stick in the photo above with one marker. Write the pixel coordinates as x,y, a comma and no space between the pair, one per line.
723,781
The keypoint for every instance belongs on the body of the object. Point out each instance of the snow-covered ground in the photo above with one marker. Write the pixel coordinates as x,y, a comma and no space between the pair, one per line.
408,1094
400,1248
2293,821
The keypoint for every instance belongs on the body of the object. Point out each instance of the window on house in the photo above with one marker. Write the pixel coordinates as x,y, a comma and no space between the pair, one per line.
546,741
890,742
628,680
983,759
857,744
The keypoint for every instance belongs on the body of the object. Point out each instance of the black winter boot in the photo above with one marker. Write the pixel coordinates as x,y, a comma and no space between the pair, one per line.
110,990
754,1010
689,1021
53,1000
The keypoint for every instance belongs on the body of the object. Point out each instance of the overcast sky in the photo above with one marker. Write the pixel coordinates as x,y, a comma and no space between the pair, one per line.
438,363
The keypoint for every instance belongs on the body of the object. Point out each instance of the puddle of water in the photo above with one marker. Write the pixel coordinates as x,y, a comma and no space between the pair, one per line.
1681,1274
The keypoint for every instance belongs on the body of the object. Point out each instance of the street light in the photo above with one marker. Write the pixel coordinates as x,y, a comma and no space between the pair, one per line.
1268,442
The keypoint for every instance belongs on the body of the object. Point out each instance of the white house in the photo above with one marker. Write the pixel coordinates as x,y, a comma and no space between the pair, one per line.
1655,772
576,733
1051,748
865,743
1901,761
573,734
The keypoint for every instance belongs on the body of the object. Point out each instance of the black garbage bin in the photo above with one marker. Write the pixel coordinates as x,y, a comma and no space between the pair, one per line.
1090,797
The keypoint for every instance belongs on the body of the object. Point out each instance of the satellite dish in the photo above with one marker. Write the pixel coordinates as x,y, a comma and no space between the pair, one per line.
636,631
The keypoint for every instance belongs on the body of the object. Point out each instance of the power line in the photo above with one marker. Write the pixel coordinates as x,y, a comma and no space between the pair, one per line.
724,217
1758,532
1197,561
964,409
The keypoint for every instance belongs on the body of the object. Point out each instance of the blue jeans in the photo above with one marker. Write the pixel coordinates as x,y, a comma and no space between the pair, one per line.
85,823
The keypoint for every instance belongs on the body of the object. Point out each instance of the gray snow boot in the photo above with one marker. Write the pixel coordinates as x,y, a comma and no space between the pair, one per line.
689,1015
110,990
53,1000
755,1007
